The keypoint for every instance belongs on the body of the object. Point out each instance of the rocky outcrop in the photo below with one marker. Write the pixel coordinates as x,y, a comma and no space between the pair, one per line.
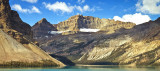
75,23
5,13
42,28
11,20
22,51
20,26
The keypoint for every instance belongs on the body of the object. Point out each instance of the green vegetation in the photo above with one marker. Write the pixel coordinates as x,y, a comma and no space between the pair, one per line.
43,63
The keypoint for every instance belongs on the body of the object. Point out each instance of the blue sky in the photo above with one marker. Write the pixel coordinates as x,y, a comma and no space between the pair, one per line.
31,11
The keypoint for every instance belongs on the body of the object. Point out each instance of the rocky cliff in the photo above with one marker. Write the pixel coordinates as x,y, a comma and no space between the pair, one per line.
22,51
11,20
42,28
75,23
13,25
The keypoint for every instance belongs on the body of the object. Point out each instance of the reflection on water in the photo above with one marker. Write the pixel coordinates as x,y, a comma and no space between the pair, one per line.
86,68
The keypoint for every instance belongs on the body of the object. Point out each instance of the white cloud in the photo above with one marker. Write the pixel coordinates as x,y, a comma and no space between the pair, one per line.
84,8
81,1
59,6
34,10
137,18
31,1
62,6
148,6
79,8
18,7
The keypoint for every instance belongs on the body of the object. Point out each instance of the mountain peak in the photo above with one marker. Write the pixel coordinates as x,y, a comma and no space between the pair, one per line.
42,28
158,20
5,12
5,7
43,20
4,1
76,17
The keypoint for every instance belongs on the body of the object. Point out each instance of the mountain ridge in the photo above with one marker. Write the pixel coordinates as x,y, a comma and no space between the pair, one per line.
75,23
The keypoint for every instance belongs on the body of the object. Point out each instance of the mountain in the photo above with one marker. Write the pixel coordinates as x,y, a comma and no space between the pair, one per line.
15,54
11,20
76,44
12,24
77,22
138,45
16,42
42,28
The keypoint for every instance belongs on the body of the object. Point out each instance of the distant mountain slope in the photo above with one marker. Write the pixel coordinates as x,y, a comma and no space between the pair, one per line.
42,28
80,42
78,23
75,23
136,46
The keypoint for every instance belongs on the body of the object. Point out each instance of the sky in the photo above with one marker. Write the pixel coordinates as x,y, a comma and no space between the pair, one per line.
55,11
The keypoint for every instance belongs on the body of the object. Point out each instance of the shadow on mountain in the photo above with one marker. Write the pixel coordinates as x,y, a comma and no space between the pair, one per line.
64,60
104,63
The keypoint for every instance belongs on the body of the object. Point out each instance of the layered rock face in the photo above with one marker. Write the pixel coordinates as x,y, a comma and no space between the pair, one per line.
11,20
20,51
75,23
137,46
42,28
4,13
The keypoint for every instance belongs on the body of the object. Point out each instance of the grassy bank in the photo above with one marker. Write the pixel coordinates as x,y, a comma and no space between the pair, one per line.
43,63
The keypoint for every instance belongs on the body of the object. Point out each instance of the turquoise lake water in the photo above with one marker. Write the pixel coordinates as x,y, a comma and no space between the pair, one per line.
86,68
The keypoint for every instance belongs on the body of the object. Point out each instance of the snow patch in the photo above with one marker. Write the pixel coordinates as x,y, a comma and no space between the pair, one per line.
46,36
57,32
88,30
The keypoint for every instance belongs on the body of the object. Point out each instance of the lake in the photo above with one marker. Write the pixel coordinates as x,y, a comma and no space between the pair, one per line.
86,68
